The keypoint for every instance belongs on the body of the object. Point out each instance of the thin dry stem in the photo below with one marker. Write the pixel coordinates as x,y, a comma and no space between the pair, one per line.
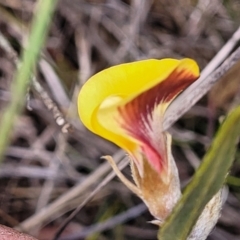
124,180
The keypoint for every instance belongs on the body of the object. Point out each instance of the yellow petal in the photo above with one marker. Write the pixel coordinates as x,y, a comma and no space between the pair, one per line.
116,102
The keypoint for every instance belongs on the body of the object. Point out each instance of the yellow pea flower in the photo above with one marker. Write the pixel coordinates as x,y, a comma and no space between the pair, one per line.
125,104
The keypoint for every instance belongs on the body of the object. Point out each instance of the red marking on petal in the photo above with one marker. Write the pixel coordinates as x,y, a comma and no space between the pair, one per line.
138,113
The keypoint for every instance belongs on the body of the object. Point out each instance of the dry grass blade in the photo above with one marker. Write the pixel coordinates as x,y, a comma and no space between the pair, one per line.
197,90
54,209
84,38
108,224
105,181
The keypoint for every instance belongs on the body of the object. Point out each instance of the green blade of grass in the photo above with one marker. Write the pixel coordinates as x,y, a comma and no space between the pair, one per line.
208,179
26,67
233,181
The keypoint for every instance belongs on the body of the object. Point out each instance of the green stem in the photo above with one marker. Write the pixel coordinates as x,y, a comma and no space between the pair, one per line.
29,58
233,181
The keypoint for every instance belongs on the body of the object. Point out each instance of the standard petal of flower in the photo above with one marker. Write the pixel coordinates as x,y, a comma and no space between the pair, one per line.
125,104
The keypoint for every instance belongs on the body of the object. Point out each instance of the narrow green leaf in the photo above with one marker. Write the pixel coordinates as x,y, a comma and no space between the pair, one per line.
39,29
206,182
233,181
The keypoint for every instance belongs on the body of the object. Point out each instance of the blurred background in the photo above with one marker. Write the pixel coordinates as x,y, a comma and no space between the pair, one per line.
48,171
